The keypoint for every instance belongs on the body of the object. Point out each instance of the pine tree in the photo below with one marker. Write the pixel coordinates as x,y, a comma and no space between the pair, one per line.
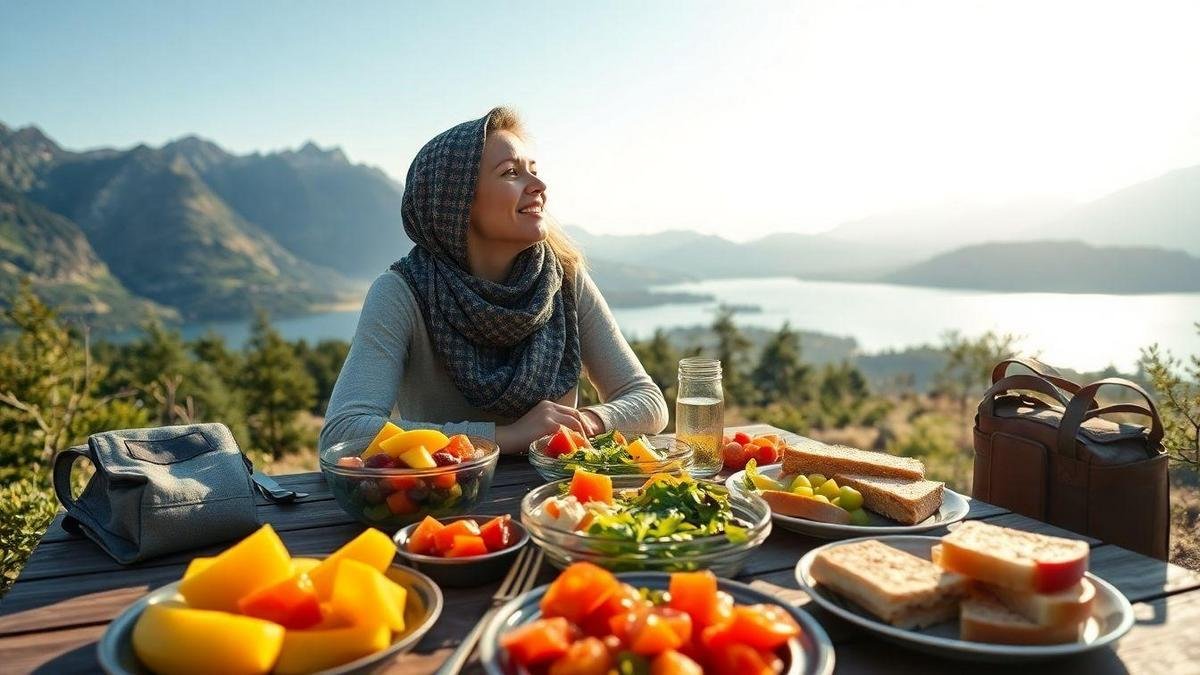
781,376
733,352
1177,386
276,387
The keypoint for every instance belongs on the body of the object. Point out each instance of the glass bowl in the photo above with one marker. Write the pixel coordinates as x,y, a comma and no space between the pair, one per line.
724,557
475,570
386,498
677,458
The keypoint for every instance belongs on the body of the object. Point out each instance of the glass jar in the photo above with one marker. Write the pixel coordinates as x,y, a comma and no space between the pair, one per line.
700,413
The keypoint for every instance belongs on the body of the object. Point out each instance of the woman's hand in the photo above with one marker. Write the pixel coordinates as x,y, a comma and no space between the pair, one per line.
541,420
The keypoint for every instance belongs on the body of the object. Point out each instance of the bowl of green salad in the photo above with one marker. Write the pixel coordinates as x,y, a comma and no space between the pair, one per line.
663,523
557,455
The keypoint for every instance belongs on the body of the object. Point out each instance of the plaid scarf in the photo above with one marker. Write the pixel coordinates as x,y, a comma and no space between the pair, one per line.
507,345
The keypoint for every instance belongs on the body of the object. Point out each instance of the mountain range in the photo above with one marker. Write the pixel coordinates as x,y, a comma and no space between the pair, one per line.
190,231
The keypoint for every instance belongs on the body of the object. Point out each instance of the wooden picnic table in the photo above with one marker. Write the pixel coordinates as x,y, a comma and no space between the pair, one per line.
69,591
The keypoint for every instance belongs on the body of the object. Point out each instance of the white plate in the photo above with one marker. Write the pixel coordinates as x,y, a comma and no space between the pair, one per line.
954,508
1112,616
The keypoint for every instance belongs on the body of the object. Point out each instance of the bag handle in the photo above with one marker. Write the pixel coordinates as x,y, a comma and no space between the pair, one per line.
1078,411
64,461
1023,382
1039,368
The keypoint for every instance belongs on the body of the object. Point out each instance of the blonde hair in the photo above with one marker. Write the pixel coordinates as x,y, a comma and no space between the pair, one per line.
569,255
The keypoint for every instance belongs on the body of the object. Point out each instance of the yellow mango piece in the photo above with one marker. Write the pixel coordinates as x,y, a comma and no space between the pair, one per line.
371,547
385,432
361,594
641,451
399,595
173,638
307,651
431,439
256,561
418,458
196,565
304,565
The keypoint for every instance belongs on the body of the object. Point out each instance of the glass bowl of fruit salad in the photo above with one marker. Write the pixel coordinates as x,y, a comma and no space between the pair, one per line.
612,453
399,477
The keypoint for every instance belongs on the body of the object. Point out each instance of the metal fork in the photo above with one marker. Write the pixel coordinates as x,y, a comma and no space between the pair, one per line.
520,578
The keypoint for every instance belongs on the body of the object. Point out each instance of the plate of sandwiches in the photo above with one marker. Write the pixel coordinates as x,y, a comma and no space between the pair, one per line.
860,492
981,593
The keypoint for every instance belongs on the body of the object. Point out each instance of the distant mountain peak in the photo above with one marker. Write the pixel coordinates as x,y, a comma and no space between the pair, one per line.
310,151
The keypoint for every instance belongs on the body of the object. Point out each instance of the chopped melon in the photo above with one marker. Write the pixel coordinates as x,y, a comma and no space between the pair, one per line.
418,458
641,451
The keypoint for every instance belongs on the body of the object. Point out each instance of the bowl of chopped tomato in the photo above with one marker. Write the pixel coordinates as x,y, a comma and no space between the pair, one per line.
464,550
590,620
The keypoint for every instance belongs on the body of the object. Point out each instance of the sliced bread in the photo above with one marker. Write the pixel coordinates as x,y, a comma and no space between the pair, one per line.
898,587
984,618
1022,561
828,460
904,500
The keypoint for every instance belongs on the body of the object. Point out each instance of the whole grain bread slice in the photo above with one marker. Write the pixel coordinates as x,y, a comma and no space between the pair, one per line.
813,457
904,500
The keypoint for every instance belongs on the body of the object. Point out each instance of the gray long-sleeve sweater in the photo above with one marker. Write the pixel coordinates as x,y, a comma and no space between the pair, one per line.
393,373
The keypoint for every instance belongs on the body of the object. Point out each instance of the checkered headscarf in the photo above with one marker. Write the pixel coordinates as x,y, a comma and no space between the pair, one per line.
505,345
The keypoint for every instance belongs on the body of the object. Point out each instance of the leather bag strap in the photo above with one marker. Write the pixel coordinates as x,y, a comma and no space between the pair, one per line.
1078,411
1039,368
1019,382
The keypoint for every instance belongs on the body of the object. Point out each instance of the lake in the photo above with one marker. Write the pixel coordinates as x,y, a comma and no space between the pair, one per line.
1084,332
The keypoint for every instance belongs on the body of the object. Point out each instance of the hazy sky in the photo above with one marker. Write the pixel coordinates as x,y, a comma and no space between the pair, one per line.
733,118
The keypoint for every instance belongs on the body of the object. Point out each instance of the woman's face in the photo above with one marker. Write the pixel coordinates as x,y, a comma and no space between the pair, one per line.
509,196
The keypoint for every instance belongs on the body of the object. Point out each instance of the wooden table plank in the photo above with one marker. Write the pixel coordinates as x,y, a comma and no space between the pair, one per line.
53,615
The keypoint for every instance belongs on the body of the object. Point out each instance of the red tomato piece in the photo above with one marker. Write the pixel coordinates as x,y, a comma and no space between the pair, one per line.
763,627
497,533
444,538
765,454
742,438
538,642
619,602
587,487
658,630
465,546
588,656
672,662
561,443
740,659
578,591
291,603
421,540
734,455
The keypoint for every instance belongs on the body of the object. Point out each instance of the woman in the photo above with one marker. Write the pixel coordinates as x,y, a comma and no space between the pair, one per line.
484,327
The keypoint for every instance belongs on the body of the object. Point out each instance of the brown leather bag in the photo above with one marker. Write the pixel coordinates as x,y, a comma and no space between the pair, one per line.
1067,465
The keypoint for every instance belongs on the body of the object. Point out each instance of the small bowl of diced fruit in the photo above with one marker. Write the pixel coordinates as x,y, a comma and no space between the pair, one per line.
399,477
612,453
462,551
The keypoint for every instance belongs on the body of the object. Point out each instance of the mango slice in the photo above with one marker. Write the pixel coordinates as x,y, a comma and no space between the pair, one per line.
431,439
256,561
304,565
385,432
418,458
641,451
172,638
362,594
306,651
196,565
372,547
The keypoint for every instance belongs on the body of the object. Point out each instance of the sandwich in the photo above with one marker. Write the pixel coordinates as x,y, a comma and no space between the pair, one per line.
904,500
985,618
898,587
1020,561
830,460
